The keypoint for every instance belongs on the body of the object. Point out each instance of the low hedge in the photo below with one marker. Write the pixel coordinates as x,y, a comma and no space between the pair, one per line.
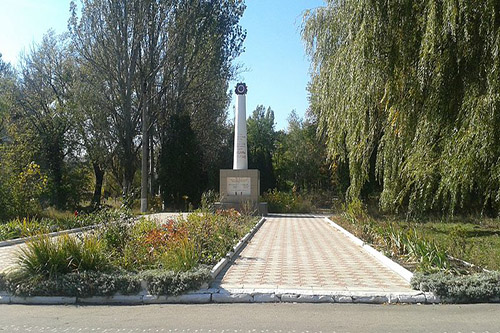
82,284
161,282
87,284
479,287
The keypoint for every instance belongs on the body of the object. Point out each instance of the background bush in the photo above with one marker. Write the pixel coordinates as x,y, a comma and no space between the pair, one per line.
287,202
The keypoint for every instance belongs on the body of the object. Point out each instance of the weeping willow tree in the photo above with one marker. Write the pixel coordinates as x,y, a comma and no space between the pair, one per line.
407,92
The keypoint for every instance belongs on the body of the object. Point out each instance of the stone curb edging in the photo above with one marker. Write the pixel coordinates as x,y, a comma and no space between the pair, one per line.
219,267
397,268
236,296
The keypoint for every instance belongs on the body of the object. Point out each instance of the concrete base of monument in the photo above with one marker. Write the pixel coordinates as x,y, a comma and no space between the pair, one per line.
240,189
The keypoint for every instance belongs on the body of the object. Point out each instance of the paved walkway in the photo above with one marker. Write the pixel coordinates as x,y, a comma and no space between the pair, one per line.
306,253
8,256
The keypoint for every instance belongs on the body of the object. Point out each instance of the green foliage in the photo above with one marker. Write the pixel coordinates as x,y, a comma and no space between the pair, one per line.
21,228
475,240
177,251
180,163
51,257
178,245
88,283
300,159
27,189
481,287
261,145
208,200
79,284
428,255
287,202
51,220
405,244
182,256
406,93
162,282
214,235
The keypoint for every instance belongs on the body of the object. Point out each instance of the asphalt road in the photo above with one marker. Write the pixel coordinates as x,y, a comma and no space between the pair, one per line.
263,318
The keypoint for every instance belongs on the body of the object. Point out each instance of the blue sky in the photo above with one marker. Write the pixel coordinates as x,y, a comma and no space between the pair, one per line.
275,62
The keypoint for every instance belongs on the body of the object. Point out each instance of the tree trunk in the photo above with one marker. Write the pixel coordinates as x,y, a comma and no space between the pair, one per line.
145,161
99,179
152,183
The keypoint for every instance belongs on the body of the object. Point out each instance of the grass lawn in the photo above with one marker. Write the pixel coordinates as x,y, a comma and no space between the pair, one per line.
476,240
473,239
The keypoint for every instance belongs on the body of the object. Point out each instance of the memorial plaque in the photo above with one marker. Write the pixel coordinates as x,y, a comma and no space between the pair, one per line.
239,186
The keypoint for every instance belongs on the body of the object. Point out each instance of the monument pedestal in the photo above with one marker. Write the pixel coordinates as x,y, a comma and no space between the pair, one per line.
240,189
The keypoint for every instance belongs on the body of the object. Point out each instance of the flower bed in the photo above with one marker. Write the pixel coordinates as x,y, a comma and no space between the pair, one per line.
170,257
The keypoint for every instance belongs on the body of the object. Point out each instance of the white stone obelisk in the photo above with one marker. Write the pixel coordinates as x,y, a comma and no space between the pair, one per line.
240,158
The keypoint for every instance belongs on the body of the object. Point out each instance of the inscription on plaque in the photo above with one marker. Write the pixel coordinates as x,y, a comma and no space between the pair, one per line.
239,185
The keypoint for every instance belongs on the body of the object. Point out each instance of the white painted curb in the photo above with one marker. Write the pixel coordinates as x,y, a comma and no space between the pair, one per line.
387,262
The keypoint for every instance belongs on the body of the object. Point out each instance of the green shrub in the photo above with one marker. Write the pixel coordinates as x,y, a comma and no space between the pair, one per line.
179,245
208,200
50,257
79,284
53,220
129,245
480,287
87,284
214,235
355,209
25,227
408,243
115,236
181,256
105,217
161,282
286,202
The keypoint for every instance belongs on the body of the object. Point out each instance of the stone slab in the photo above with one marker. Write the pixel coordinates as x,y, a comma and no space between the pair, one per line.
232,298
189,299
266,298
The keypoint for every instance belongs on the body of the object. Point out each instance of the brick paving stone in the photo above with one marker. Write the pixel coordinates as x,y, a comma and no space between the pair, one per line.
304,252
